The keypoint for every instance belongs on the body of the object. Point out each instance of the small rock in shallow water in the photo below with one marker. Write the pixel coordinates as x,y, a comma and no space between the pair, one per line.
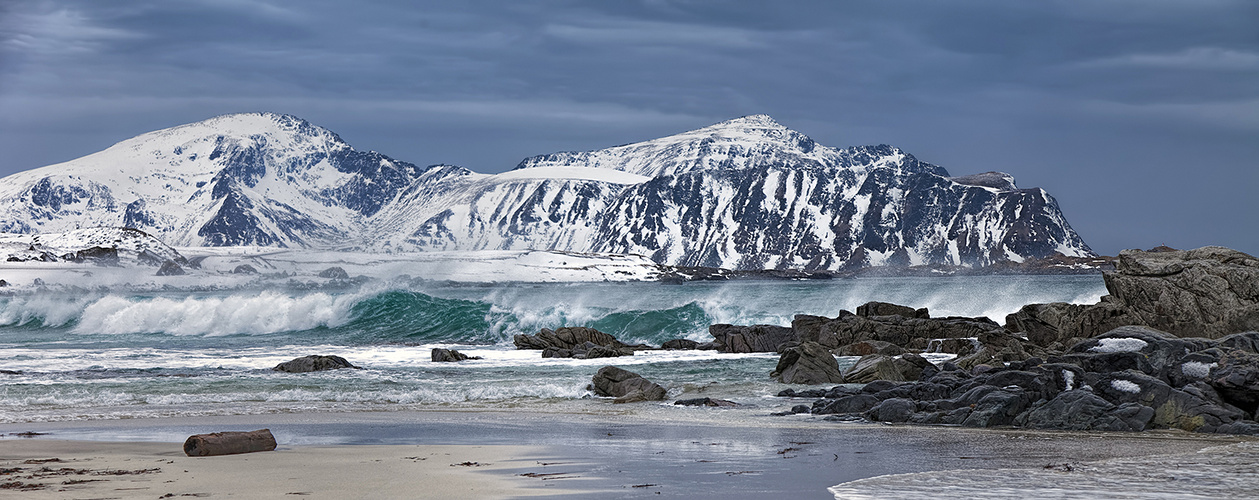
313,363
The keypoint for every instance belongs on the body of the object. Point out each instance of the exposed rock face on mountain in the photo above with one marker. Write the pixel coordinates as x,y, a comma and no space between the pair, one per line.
105,246
243,179
742,194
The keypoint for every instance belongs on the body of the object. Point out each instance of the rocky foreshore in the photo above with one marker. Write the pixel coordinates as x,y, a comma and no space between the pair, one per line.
1173,346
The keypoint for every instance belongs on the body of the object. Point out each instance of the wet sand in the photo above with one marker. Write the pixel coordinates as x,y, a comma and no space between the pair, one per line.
707,454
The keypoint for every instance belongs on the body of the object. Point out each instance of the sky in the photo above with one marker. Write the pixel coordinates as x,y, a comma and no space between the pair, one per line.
1141,117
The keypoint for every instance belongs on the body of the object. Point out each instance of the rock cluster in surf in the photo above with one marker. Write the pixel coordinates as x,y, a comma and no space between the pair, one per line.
1172,346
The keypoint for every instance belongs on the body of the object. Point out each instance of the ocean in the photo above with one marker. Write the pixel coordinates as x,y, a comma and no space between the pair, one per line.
110,355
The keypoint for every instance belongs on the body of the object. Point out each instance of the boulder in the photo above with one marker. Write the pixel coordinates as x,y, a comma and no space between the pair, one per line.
680,344
997,408
710,402
848,328
440,355
1236,379
858,403
1080,410
625,385
1207,292
807,363
575,342
892,410
334,273
868,347
244,269
313,363
755,338
997,348
881,367
870,309
1059,323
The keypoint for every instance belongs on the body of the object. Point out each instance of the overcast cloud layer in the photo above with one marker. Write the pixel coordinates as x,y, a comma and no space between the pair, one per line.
1140,116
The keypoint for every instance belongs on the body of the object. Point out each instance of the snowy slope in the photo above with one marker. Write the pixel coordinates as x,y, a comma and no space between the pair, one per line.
746,193
254,178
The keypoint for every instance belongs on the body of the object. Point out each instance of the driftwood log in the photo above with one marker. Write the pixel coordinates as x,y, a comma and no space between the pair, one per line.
229,443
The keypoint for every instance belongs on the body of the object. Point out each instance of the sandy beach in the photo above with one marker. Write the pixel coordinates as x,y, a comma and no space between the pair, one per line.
59,469
514,455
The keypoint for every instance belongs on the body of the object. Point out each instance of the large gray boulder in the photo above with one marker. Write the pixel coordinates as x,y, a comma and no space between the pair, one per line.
906,332
1080,410
888,309
907,368
313,363
1207,292
575,342
807,363
440,355
754,338
624,385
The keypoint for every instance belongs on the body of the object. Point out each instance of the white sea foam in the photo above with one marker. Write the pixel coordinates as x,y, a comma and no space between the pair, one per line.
260,313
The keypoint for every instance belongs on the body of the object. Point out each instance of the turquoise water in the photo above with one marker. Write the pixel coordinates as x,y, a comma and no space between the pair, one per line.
124,355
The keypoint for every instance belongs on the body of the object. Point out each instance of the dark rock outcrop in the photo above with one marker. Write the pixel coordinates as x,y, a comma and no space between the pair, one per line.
906,332
335,273
440,355
1209,292
170,268
244,269
870,309
1129,379
313,363
755,338
710,402
680,344
807,363
867,347
575,342
624,385
101,256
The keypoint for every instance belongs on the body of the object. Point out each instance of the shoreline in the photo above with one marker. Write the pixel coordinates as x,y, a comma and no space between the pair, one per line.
604,455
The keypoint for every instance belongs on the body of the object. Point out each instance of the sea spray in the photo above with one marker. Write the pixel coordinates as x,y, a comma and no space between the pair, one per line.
124,354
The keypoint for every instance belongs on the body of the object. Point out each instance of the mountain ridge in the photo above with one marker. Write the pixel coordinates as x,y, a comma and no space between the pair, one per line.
738,194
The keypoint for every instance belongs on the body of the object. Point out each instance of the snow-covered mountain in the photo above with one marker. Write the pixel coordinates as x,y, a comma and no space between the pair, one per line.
254,178
747,193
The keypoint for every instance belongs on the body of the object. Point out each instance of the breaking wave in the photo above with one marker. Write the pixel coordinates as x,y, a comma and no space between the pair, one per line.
638,313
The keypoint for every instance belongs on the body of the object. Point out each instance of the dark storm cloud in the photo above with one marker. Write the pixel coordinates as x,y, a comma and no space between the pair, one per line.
1141,117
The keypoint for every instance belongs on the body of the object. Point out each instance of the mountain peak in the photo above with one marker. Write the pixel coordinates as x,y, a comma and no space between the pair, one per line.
749,121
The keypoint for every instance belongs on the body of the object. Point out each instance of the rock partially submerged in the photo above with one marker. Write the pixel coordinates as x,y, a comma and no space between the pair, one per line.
440,355
709,402
575,342
745,339
624,385
314,363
